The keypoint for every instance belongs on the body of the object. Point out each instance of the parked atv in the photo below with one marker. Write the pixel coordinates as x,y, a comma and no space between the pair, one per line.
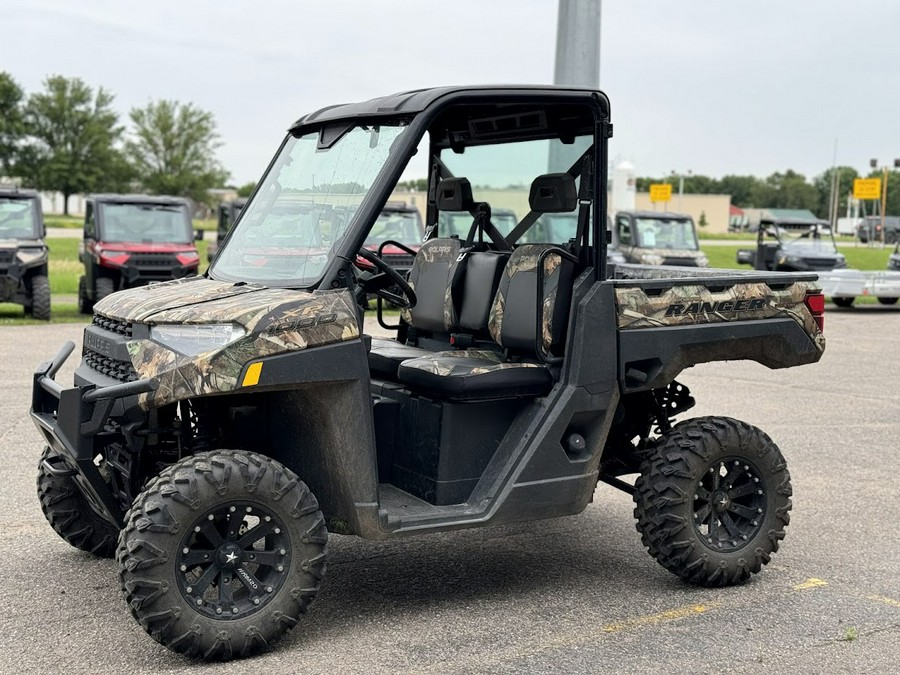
659,238
222,426
23,253
132,240
226,215
797,246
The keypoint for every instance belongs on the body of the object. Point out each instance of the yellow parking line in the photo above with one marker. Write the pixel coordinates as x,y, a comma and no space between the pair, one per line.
885,600
812,582
651,619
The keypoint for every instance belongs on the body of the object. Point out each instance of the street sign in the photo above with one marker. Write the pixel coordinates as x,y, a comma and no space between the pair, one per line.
866,188
660,192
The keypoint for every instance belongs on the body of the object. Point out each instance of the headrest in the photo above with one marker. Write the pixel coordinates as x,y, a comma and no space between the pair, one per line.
455,194
553,193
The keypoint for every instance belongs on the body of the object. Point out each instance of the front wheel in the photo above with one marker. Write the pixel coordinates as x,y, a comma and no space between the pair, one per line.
40,297
713,500
221,554
103,286
85,306
888,301
843,302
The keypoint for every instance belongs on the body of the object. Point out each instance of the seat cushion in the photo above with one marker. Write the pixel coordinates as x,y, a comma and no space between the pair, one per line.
474,374
385,356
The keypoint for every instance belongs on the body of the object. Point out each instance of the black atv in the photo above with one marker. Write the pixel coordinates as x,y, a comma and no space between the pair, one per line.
220,427
23,253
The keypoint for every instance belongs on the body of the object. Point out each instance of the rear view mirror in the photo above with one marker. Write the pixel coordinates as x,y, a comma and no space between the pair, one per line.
745,256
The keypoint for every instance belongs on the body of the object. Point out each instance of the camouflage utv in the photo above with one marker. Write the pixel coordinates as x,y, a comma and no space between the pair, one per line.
24,257
221,427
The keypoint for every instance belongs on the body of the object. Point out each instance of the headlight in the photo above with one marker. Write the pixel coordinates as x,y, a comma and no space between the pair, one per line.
29,255
840,261
652,259
191,340
702,260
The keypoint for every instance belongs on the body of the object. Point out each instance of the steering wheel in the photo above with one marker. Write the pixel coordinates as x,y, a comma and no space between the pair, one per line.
380,283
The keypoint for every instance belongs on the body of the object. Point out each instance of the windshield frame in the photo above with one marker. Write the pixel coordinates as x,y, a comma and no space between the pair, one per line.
37,229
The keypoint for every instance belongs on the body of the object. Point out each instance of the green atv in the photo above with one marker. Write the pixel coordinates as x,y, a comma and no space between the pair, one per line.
222,427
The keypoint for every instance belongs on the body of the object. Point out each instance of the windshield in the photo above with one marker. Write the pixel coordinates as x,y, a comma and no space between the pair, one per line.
402,226
145,223
18,219
819,242
671,234
304,207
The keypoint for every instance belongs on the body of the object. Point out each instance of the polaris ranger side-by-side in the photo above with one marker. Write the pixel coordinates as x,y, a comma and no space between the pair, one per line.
659,238
241,417
24,257
132,240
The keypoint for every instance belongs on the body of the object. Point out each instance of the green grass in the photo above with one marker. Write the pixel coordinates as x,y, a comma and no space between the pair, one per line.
14,315
860,258
76,222
737,236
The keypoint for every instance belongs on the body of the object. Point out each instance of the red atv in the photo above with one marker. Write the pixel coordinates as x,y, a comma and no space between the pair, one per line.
131,240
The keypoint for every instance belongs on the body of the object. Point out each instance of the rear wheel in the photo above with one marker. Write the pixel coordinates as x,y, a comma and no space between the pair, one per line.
85,306
70,515
843,302
40,297
103,286
888,301
713,500
221,554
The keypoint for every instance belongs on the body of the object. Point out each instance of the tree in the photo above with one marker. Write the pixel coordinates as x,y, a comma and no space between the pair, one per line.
172,148
72,136
845,176
246,189
12,124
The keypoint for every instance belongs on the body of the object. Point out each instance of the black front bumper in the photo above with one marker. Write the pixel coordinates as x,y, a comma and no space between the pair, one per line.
72,421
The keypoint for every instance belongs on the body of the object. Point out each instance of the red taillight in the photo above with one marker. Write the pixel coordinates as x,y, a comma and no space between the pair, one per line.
115,258
816,304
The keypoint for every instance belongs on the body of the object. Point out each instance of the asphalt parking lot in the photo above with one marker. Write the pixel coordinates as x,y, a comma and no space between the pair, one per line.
570,595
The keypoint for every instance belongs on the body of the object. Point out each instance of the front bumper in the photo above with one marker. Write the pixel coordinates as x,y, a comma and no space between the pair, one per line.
72,422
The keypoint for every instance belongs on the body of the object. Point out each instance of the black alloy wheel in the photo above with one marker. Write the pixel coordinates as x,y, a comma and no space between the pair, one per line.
729,504
233,560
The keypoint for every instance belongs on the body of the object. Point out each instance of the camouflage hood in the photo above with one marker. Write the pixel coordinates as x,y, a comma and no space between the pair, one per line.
275,321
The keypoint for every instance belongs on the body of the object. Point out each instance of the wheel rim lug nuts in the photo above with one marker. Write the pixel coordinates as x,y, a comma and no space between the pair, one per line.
234,610
185,550
277,530
267,519
249,509
197,528
280,568
232,509
744,537
759,510
255,601
268,589
282,551
218,610
759,492
210,517
184,568
189,589
755,523
199,601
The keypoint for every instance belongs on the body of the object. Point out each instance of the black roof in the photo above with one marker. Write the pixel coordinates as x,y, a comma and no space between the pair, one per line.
797,222
659,215
417,100
138,199
17,192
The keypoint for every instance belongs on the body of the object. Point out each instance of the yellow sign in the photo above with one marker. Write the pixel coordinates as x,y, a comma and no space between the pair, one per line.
867,188
660,192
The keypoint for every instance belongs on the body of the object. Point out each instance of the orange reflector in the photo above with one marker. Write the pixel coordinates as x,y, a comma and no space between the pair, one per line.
251,377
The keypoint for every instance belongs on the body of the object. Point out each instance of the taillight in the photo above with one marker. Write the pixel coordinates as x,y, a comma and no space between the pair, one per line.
815,302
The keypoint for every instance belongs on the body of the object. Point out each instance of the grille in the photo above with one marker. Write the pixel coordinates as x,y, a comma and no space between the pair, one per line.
153,260
6,256
112,325
120,370
820,263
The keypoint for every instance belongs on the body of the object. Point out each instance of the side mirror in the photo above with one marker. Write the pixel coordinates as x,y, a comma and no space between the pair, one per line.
745,256
198,235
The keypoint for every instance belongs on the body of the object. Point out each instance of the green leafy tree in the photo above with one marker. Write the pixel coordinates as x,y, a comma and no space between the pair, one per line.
173,150
12,122
893,193
788,190
822,182
247,189
72,134
741,189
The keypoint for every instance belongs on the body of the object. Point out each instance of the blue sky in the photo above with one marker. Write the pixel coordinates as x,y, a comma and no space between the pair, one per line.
708,86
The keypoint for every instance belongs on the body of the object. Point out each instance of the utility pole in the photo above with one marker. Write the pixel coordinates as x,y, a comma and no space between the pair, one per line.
577,60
